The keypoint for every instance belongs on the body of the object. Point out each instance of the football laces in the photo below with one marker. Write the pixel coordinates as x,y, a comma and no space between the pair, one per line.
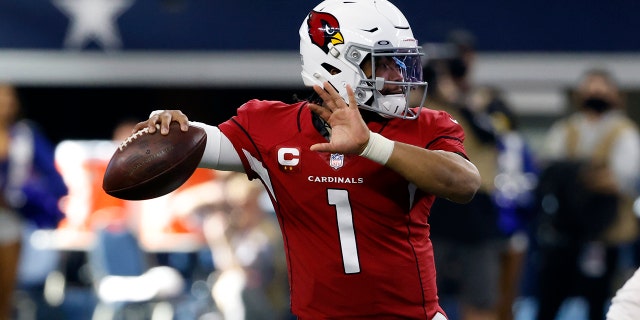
134,136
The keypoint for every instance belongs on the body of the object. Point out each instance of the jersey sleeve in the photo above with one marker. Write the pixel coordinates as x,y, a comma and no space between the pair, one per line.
237,130
448,134
256,127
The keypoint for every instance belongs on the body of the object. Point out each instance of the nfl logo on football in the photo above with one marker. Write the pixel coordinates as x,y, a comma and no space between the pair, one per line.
336,161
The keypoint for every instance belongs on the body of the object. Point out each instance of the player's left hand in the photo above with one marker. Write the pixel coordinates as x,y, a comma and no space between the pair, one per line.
349,133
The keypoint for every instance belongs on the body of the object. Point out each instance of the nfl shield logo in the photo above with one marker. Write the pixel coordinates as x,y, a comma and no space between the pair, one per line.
336,160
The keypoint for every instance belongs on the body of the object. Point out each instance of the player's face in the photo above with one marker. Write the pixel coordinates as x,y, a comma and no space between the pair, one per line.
389,68
598,87
8,103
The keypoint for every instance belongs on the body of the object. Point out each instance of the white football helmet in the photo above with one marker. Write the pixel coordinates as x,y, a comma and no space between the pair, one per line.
338,35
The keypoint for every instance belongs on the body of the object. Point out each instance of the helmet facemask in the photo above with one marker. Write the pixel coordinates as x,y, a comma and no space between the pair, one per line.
370,91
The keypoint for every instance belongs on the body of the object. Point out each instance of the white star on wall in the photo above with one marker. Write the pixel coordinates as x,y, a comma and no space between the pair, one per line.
93,20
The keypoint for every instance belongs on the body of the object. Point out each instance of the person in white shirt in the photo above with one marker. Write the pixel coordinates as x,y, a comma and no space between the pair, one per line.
625,305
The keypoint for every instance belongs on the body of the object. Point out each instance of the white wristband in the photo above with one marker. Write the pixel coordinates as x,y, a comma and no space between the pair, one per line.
378,148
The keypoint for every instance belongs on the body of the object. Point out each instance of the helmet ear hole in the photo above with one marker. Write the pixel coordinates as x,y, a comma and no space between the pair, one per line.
331,69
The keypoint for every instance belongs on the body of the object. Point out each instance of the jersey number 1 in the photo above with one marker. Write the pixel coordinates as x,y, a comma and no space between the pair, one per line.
340,199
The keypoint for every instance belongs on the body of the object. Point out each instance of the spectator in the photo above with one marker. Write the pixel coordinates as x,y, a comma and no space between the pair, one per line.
625,305
468,241
31,188
515,182
245,245
592,164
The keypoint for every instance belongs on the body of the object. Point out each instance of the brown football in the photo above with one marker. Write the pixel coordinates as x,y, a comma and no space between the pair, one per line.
147,166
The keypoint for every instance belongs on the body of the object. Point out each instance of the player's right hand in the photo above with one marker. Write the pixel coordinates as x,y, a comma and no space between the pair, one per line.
161,119
349,133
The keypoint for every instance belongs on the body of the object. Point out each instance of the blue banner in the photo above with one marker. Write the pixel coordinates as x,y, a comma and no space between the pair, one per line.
571,25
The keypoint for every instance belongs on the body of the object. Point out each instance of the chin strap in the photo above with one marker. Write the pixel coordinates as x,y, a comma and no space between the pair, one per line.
390,105
393,103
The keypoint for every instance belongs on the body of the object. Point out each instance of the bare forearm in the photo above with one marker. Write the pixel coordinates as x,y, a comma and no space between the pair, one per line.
444,174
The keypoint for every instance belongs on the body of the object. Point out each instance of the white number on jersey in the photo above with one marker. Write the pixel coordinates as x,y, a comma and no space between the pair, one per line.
340,199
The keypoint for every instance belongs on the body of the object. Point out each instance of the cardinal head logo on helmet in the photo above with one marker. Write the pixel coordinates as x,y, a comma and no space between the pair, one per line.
324,30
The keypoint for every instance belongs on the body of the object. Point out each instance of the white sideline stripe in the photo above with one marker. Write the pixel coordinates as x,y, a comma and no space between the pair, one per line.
534,82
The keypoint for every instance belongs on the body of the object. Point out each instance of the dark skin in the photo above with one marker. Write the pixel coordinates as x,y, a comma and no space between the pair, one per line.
441,173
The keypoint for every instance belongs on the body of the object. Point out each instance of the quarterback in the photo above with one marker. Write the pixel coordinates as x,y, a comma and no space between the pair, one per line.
352,171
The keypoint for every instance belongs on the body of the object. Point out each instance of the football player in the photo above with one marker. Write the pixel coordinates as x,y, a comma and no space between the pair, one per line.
353,171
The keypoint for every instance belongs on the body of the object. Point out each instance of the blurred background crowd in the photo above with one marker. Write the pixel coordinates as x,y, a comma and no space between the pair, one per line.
549,100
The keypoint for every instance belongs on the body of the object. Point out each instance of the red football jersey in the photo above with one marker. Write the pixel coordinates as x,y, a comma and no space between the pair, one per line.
355,233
